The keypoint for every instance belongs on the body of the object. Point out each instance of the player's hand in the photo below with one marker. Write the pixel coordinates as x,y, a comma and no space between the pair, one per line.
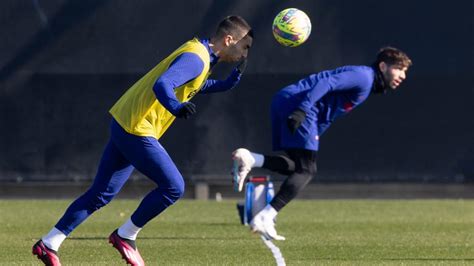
186,110
295,120
241,66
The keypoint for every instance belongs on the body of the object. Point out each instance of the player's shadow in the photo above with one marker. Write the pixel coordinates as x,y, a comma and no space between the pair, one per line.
219,224
398,259
163,238
428,259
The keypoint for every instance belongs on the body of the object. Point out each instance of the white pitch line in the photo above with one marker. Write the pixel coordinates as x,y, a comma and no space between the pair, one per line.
280,261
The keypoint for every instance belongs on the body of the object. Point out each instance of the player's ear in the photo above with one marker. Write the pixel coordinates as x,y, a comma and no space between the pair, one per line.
228,39
383,66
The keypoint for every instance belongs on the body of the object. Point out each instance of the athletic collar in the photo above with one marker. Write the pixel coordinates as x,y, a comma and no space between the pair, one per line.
214,57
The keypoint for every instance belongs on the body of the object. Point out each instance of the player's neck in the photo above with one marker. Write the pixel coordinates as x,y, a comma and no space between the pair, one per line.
215,47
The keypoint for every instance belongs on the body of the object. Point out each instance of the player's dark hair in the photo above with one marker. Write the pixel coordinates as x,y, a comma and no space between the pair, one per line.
234,26
393,56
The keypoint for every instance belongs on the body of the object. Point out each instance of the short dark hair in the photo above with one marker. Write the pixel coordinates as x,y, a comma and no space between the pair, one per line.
232,25
393,56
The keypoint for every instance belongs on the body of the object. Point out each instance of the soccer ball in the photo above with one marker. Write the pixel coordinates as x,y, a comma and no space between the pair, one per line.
291,27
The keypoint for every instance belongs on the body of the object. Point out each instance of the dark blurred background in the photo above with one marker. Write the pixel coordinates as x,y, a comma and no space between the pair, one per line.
64,63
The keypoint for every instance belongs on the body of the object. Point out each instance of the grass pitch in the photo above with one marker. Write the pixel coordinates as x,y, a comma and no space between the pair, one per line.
322,232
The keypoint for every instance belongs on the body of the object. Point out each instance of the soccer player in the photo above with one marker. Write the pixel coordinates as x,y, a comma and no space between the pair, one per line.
300,114
139,118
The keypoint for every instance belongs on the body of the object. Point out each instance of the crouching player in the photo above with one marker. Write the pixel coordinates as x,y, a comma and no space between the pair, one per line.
301,112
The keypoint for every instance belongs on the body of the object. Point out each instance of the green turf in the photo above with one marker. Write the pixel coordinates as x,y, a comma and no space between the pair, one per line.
324,232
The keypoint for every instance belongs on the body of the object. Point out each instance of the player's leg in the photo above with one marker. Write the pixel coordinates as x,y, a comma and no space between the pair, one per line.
113,171
150,158
244,160
156,164
280,164
301,147
305,169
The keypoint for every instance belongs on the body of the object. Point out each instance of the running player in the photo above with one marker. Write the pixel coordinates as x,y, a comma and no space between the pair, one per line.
139,118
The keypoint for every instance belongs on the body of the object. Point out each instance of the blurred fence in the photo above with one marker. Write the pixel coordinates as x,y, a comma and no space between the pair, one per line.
64,63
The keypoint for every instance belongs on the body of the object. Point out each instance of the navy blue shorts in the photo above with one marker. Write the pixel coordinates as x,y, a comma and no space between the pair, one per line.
306,137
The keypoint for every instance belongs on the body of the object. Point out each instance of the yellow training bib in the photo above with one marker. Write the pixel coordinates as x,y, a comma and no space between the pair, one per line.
140,113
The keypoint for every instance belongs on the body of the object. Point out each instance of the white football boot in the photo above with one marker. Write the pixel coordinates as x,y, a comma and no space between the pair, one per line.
265,226
243,162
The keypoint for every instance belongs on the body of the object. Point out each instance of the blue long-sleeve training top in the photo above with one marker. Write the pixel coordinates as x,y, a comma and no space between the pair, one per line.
329,94
185,68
